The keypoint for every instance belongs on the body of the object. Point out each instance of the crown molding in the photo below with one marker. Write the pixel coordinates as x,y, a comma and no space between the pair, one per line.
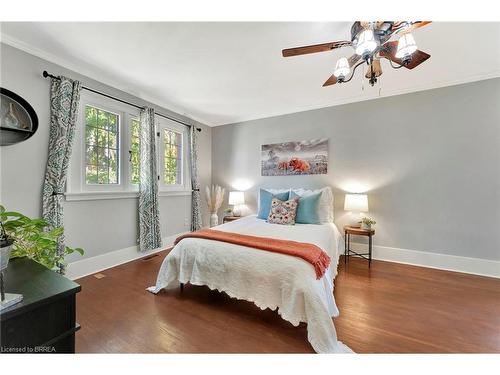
80,69
28,48
384,94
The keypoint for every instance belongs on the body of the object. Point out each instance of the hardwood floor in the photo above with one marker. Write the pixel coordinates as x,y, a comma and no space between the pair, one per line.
391,308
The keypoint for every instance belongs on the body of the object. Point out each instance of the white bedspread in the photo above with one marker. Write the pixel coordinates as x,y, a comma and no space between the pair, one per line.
268,279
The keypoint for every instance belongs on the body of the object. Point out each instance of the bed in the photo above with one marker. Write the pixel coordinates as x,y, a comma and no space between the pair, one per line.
270,280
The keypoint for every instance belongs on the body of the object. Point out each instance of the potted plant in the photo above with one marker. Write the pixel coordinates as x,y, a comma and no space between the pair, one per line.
5,246
367,222
5,249
34,239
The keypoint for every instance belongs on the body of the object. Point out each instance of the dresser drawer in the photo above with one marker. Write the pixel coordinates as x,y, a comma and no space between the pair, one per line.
40,326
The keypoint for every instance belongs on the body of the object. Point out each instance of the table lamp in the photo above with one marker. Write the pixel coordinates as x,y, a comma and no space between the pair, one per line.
356,204
236,198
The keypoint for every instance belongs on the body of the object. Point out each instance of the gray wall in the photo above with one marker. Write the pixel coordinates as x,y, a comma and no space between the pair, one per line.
429,161
98,226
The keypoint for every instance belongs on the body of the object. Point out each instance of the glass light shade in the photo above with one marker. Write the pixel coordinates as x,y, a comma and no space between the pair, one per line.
356,203
236,198
342,68
406,46
366,43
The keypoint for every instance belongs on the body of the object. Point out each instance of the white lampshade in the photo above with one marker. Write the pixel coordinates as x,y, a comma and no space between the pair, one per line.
356,203
406,46
342,68
366,43
236,198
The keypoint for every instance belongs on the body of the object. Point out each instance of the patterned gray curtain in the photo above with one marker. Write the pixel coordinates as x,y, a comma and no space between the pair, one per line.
64,102
149,218
195,184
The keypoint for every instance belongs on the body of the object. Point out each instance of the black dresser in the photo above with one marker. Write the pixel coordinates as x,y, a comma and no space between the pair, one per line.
44,322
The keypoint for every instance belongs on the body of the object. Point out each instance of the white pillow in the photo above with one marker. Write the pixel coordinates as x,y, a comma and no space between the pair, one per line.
325,202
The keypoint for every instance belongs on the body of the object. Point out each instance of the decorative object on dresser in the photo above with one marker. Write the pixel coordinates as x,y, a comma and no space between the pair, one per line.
356,231
215,197
44,322
7,299
356,204
295,158
18,119
236,199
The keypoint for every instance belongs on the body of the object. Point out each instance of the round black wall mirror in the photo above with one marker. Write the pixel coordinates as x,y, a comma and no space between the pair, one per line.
18,119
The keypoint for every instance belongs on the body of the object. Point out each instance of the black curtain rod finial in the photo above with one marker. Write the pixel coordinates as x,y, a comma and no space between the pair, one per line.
46,74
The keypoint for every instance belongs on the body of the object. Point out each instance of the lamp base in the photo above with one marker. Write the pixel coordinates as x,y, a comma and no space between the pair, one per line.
355,219
236,211
10,299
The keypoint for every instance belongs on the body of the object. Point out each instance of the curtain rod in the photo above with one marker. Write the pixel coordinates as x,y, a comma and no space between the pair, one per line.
46,74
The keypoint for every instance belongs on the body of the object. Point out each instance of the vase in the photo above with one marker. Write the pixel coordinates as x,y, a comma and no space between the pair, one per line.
366,226
4,256
214,220
10,118
6,299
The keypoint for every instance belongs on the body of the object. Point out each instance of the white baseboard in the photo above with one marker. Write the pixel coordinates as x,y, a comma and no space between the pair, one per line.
476,266
89,266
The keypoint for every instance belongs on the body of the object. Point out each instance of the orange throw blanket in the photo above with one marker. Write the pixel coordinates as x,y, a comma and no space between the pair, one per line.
309,252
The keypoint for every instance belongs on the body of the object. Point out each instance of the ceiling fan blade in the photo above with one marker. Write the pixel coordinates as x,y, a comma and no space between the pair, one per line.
377,69
413,26
417,58
353,60
330,81
314,48
389,49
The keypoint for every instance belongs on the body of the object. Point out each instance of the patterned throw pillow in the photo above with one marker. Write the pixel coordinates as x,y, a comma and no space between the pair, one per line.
283,212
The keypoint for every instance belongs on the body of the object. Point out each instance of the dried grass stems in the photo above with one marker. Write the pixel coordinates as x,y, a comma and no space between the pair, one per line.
215,197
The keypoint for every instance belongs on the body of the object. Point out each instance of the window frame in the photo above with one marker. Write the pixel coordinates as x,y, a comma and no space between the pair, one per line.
163,124
76,186
133,187
97,186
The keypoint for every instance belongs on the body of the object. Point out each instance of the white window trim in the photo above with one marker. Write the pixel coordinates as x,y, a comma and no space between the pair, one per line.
100,195
77,189
185,186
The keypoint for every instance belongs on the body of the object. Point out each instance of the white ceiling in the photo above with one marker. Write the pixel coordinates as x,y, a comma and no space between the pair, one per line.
220,73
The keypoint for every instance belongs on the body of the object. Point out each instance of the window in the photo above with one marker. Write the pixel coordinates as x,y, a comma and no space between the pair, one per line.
101,146
134,152
172,153
172,156
106,153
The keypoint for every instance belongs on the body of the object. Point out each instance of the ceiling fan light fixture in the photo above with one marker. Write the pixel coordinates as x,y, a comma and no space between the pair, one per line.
406,46
342,68
366,43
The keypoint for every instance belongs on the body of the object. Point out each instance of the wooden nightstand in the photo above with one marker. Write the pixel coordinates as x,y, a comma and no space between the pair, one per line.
356,231
227,219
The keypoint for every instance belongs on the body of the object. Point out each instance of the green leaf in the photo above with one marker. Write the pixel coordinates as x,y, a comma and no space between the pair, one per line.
31,238
79,250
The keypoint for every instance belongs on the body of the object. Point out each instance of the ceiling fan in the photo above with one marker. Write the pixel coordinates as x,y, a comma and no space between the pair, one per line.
371,42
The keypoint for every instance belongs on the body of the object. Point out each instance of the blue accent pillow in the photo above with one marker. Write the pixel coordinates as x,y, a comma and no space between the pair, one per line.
265,199
308,209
